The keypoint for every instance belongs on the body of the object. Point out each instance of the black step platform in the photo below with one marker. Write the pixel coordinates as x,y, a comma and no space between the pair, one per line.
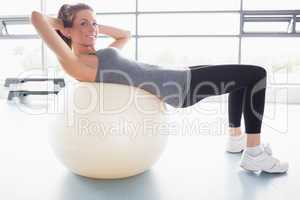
22,93
56,81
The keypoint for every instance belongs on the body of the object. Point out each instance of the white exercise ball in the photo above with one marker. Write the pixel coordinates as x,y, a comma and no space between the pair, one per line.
106,130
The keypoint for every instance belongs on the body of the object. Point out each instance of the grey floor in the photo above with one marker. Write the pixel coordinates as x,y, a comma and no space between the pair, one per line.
193,166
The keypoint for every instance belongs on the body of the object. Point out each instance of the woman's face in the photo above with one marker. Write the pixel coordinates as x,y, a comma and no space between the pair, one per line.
85,28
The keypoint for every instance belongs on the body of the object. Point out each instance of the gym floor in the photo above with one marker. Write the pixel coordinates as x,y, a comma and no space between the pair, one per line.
193,166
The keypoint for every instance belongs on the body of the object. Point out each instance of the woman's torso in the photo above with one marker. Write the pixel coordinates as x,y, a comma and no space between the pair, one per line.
112,67
89,59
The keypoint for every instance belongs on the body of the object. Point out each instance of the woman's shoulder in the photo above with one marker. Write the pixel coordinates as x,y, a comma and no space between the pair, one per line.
107,49
92,59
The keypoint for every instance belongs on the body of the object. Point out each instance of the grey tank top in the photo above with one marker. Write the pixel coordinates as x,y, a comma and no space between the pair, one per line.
170,85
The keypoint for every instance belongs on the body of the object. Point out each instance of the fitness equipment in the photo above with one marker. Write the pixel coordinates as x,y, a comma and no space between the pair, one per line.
103,130
23,93
107,131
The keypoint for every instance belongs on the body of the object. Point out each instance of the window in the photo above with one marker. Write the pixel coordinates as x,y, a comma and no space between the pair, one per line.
298,24
19,55
187,5
178,52
16,26
271,4
123,21
279,55
16,7
271,27
192,23
53,6
271,21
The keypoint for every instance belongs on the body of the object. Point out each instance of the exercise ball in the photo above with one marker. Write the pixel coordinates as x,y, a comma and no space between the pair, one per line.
106,130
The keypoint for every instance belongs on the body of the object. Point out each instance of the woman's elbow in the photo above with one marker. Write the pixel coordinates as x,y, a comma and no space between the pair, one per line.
34,16
35,13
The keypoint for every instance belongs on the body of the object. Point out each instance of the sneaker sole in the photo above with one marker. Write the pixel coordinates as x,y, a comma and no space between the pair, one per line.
260,170
234,150
248,169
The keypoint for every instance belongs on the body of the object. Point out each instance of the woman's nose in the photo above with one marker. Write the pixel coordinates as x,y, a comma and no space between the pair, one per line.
92,27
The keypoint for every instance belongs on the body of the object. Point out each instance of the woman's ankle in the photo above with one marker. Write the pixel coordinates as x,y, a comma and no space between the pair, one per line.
253,139
235,131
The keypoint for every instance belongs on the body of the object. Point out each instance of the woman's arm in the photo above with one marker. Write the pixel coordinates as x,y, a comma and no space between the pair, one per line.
72,65
121,36
51,38
55,23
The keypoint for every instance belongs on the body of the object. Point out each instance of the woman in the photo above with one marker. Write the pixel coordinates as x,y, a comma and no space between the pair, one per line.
74,45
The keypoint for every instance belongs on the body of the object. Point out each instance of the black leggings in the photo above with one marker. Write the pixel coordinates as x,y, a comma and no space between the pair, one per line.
246,85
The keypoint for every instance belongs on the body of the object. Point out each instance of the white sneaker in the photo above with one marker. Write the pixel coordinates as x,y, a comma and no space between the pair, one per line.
264,161
236,144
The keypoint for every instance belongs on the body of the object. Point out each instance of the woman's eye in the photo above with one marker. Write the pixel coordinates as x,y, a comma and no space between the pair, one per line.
85,24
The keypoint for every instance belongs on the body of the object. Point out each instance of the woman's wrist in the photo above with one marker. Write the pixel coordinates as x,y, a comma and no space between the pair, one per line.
113,31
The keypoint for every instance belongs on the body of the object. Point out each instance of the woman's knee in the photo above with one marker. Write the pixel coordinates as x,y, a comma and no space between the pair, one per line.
258,71
262,71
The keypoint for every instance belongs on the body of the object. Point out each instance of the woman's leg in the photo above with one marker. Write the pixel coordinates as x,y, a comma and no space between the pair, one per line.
235,104
246,85
235,107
